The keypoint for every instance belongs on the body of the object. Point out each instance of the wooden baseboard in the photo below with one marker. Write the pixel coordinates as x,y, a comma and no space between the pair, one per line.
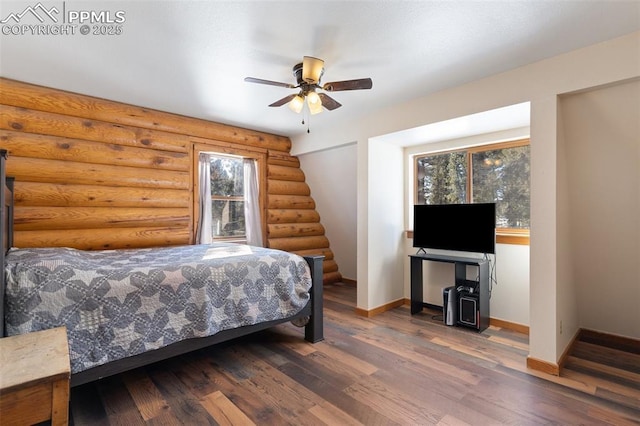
508,325
616,341
567,351
543,366
349,282
379,309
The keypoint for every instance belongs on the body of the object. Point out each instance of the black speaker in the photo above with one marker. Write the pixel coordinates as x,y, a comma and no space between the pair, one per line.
468,309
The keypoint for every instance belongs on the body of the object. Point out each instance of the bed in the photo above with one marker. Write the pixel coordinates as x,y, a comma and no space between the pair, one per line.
127,308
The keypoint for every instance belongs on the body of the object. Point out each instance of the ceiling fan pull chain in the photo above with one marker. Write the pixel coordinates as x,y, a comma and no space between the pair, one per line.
304,112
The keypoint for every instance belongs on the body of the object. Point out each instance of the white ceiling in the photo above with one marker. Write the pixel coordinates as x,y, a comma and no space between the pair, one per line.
190,57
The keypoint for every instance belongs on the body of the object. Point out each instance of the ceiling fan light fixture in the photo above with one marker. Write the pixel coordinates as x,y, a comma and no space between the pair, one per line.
296,104
312,69
308,74
314,102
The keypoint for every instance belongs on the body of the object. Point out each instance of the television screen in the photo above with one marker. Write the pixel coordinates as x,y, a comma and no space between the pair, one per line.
459,227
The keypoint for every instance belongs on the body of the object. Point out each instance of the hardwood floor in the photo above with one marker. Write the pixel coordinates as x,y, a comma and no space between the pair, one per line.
610,367
393,368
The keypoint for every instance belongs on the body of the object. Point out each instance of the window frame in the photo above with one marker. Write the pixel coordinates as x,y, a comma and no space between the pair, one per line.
517,236
257,154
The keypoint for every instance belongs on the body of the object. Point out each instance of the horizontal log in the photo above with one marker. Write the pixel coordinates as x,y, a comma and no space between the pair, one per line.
292,216
285,173
282,159
331,277
49,194
329,266
290,202
286,187
56,171
102,239
46,123
58,148
156,139
326,252
48,218
294,230
211,145
25,95
298,243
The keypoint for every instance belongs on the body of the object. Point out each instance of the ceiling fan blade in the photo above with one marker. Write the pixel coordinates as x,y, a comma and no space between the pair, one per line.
269,82
283,101
328,102
336,86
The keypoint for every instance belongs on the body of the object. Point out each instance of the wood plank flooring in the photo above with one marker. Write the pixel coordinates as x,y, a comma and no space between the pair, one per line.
392,369
609,366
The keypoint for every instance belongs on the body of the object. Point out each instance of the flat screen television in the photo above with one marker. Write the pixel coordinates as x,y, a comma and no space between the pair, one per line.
459,227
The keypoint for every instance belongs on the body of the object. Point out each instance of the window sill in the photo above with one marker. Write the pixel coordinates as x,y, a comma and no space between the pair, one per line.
241,240
515,238
521,239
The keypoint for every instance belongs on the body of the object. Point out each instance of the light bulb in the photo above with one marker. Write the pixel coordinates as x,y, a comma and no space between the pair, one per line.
314,102
296,104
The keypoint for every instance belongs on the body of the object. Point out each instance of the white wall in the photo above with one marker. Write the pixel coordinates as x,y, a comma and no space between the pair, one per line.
601,130
386,223
539,83
331,175
566,306
543,289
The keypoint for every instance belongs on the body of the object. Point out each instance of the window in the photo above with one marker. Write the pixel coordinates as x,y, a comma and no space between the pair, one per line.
492,173
227,197
229,194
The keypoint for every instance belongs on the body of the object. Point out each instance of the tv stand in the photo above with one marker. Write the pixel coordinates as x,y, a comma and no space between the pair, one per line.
479,292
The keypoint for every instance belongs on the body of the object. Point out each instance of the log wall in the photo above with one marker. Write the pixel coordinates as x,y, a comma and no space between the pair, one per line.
97,174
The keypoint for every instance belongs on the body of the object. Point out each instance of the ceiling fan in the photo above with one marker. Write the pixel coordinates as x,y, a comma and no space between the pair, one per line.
308,74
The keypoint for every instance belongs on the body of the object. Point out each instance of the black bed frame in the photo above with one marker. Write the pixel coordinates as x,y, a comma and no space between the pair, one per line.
313,330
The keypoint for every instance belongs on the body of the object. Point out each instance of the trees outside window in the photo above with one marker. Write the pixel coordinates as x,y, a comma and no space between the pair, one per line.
494,173
502,176
227,197
442,178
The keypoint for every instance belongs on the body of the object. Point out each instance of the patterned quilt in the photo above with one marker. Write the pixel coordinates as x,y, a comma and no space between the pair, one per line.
119,303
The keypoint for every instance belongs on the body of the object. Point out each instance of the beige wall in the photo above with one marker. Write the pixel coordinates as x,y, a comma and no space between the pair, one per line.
601,135
540,83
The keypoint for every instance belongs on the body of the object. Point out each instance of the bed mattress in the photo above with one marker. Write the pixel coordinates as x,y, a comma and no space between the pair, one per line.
120,303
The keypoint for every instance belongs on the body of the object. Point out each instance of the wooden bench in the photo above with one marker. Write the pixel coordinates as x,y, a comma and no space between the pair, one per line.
34,378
